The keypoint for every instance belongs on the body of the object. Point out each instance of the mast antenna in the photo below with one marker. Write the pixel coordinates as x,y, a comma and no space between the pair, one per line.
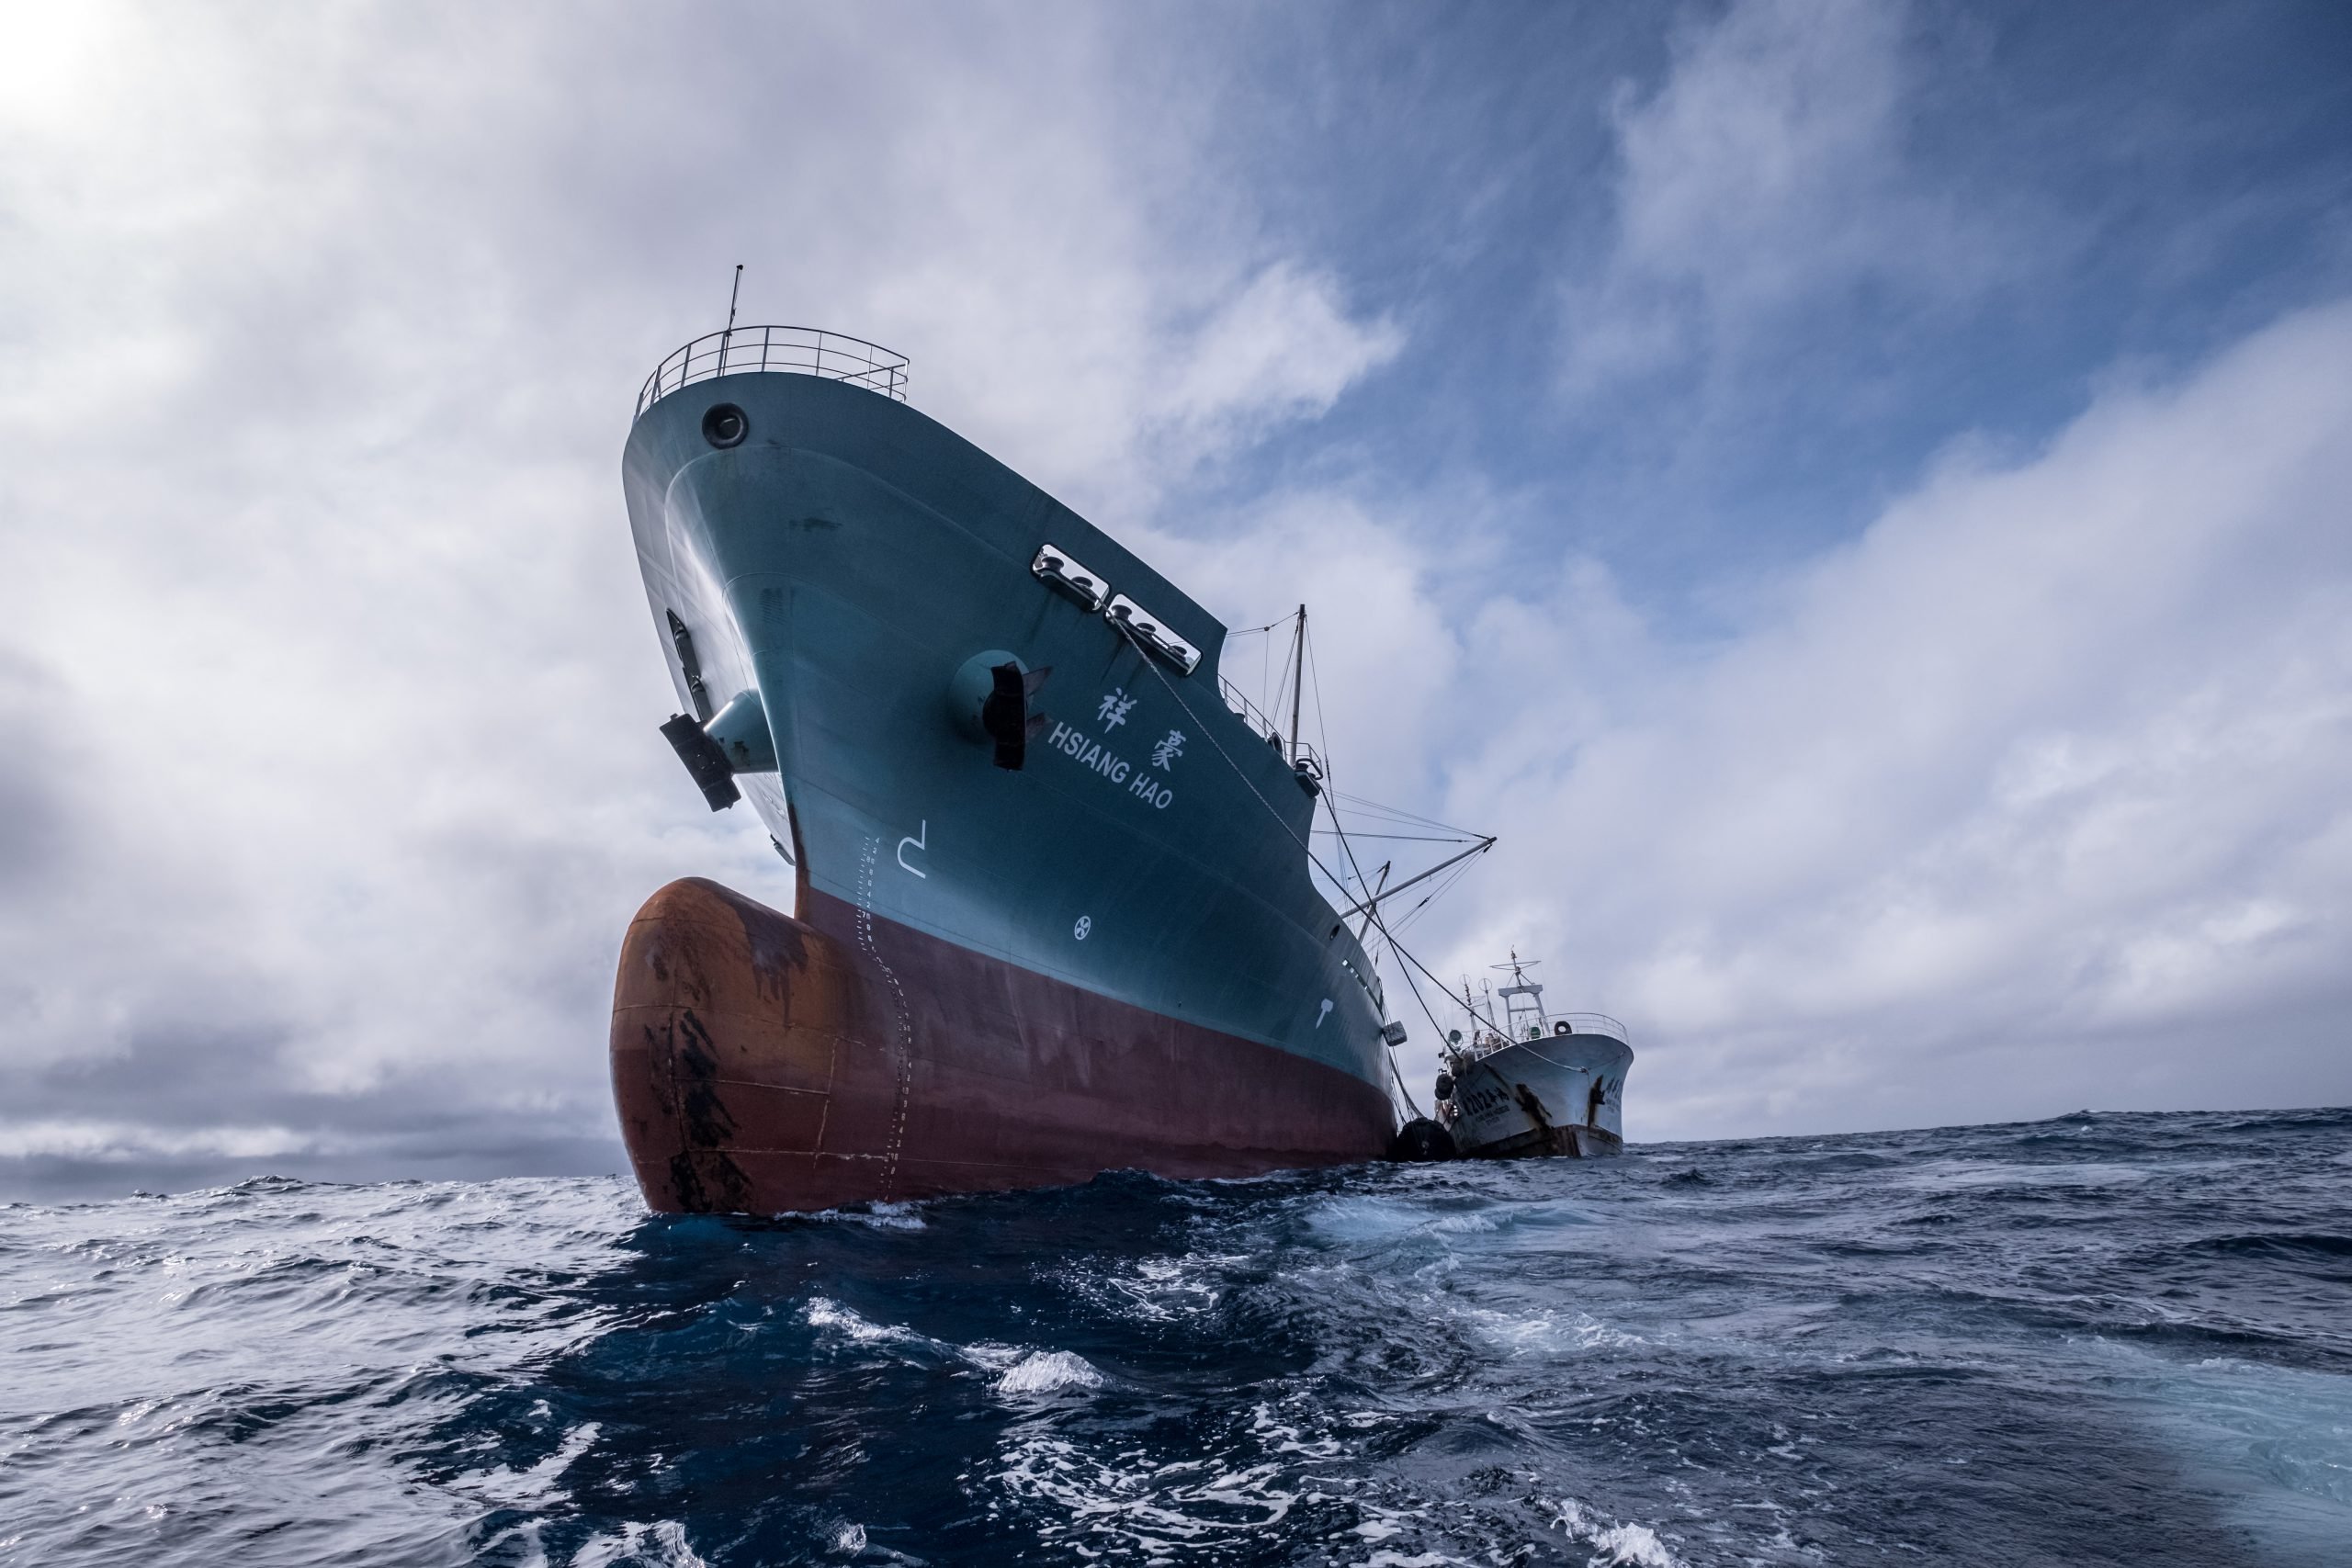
733,294
1297,681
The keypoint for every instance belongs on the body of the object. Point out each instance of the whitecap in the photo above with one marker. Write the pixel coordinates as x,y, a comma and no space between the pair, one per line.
1942,1174
1365,1219
1614,1545
823,1313
1286,1440
878,1215
991,1357
1048,1371
1157,1510
1635,1544
1546,1332
1159,1289
662,1544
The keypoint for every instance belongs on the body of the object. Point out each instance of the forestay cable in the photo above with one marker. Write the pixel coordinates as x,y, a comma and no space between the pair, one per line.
1313,859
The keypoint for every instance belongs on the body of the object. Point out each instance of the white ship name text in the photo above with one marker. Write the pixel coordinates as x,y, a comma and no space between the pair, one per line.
1095,757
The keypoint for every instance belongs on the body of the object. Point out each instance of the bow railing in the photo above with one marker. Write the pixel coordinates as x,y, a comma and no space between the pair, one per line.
801,351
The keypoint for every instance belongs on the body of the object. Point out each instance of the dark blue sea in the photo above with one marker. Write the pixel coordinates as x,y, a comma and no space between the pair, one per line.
2111,1339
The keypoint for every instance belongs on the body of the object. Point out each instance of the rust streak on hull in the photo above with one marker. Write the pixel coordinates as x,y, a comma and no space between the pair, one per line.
764,1064
1570,1143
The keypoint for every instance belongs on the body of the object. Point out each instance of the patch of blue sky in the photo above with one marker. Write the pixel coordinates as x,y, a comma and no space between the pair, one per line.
1696,292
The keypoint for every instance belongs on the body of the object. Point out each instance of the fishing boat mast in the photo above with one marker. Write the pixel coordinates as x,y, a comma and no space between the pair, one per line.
1515,1008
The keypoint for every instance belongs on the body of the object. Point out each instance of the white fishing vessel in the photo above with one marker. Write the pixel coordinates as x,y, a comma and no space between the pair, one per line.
1530,1081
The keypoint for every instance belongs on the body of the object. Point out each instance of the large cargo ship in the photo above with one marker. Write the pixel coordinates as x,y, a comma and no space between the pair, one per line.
1047,878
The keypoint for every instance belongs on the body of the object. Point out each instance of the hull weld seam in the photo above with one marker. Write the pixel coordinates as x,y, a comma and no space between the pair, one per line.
904,1044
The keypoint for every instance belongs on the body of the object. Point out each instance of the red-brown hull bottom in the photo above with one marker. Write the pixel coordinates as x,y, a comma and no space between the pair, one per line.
764,1064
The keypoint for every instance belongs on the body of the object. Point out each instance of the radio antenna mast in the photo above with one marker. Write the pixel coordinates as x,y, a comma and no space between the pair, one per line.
1297,681
733,294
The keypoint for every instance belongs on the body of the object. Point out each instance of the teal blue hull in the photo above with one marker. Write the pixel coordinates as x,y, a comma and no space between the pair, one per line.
844,562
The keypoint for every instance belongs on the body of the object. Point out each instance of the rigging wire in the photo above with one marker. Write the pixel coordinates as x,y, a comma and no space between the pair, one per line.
1371,827
1386,930
1395,1072
1372,911
1364,806
1322,733
1284,822
1383,821
1404,837
1313,859
1264,651
1445,886
1405,953
1307,664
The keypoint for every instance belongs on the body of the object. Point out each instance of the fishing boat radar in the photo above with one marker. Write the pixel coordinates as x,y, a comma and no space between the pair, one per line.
1054,906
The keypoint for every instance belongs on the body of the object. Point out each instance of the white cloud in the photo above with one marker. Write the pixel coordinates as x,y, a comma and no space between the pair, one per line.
328,685
1767,172
1284,346
2044,770
327,774
2029,797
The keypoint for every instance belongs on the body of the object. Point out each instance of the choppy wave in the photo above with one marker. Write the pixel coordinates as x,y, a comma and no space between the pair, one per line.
2103,1339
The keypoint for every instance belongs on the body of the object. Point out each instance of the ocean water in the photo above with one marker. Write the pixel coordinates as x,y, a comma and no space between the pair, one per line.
2113,1339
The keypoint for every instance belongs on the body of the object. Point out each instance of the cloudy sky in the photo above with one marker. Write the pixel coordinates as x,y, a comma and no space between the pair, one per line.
1855,495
